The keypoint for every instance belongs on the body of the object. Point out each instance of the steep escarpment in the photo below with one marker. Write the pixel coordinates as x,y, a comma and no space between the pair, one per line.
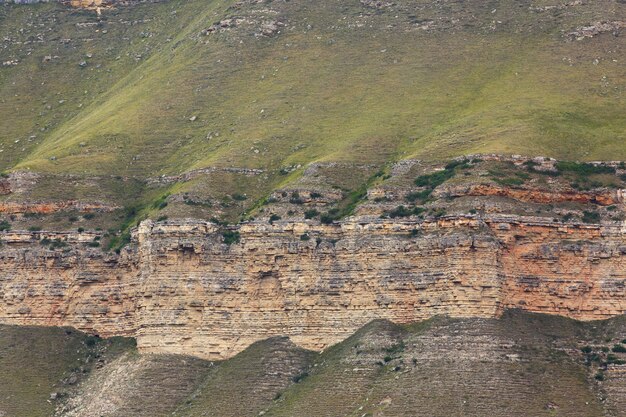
198,288
84,287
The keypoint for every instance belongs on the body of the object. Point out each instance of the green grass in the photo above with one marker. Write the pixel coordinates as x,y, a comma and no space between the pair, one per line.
342,94
340,83
35,360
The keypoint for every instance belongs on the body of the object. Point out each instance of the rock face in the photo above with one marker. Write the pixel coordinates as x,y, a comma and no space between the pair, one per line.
179,288
86,4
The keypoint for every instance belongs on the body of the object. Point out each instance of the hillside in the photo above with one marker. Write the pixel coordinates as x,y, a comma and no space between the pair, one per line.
519,365
285,208
172,87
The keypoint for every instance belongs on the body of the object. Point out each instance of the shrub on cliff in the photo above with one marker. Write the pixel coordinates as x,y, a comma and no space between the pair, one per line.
619,348
591,217
231,237
274,218
435,179
300,377
295,198
309,214
432,181
330,216
5,226
402,211
583,169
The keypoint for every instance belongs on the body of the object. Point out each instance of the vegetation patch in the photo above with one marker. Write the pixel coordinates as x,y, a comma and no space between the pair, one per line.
231,237
5,226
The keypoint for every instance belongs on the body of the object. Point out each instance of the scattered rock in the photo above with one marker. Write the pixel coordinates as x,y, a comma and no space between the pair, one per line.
597,29
376,4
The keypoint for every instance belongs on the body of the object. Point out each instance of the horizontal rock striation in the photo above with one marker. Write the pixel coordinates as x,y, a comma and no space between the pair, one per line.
12,207
179,288
84,4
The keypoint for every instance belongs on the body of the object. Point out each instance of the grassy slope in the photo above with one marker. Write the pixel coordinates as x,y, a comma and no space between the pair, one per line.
327,93
514,366
523,364
35,360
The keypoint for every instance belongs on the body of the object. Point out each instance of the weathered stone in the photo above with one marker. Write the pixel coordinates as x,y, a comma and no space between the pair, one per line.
179,289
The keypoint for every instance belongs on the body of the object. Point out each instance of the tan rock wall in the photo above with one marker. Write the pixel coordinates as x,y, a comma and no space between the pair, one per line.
180,289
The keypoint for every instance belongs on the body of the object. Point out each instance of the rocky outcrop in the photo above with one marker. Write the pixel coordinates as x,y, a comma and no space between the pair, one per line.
179,288
534,195
596,29
12,207
85,4
5,187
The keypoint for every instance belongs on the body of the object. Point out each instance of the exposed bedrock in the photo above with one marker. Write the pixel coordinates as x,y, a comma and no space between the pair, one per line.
179,288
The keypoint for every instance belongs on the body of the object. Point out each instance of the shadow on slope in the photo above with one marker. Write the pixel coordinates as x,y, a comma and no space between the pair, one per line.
41,364
519,365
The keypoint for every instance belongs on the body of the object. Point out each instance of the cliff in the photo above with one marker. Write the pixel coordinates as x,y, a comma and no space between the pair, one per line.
178,288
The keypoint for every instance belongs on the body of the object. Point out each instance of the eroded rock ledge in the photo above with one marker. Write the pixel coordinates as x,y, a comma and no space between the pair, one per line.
179,288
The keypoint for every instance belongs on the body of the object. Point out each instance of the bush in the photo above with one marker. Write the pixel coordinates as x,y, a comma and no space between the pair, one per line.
457,164
54,244
305,237
34,229
160,204
309,214
57,243
91,341
619,348
231,237
599,376
591,217
295,198
300,377
93,244
418,196
5,226
613,359
402,211
239,197
586,349
162,218
435,179
89,216
330,216
583,169
80,230
274,218
315,195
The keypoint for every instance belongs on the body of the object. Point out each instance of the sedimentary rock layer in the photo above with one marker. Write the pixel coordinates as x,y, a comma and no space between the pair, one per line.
179,288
